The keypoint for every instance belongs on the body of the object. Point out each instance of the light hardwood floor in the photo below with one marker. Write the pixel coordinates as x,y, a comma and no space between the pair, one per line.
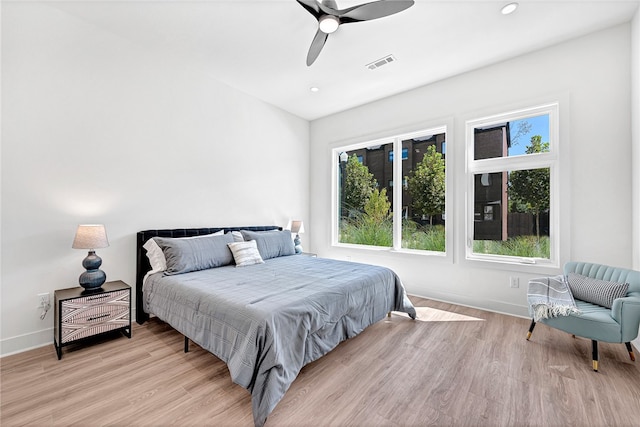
456,367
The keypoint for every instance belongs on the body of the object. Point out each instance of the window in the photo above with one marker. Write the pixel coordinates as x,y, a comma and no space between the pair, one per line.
372,212
364,205
512,187
423,193
405,154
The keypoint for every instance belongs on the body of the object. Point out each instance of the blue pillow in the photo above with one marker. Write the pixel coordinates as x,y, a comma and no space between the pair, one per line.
271,244
185,255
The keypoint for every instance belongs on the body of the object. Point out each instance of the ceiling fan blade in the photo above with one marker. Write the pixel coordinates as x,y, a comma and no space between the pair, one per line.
311,6
373,10
316,46
328,7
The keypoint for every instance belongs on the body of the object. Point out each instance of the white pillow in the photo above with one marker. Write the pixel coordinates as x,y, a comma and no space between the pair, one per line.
156,256
237,236
217,233
245,253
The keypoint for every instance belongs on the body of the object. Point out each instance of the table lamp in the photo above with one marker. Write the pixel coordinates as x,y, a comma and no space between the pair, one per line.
91,236
297,226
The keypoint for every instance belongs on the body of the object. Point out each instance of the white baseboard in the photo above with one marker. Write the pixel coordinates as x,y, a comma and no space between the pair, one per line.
26,342
499,307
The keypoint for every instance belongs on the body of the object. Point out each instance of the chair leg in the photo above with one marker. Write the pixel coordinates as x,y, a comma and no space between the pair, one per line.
594,354
533,325
630,350
186,344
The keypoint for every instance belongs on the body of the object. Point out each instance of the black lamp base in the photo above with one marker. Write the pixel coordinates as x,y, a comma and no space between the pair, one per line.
93,278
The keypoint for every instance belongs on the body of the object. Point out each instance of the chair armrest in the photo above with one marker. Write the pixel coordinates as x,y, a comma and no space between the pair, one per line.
626,311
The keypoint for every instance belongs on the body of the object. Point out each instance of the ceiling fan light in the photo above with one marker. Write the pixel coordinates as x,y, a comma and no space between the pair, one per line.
328,24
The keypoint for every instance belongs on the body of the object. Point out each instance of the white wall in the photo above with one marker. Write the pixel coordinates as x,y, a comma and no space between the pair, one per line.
96,129
591,77
635,140
635,133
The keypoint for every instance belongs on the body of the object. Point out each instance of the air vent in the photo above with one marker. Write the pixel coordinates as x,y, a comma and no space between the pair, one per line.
380,62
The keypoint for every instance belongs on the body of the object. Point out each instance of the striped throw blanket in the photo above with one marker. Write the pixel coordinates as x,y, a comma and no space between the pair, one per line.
550,297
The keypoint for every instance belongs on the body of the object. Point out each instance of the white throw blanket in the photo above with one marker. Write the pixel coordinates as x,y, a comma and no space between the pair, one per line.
550,297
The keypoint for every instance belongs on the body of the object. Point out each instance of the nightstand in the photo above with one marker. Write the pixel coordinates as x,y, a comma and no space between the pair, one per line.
81,314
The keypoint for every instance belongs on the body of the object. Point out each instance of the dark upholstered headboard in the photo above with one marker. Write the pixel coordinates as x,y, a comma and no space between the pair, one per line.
142,262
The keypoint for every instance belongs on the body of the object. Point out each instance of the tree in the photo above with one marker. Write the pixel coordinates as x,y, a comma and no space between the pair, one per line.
359,183
529,189
377,207
426,185
523,128
375,225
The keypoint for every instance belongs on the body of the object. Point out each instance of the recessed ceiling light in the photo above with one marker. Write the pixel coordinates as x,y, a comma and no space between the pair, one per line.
509,8
314,89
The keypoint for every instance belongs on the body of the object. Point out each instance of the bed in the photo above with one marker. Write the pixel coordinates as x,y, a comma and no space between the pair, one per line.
267,316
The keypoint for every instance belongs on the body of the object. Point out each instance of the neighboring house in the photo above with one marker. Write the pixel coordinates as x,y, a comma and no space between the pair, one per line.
491,201
492,217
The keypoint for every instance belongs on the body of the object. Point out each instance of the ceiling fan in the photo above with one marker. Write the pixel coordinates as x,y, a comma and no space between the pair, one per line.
330,17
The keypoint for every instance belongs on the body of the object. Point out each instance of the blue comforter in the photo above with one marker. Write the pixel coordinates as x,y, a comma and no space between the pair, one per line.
267,321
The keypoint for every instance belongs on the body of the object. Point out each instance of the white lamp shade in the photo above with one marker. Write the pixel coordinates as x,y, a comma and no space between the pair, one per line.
297,226
90,236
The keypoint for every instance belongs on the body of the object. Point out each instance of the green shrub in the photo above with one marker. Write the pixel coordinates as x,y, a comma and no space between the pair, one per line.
428,238
520,246
362,231
376,209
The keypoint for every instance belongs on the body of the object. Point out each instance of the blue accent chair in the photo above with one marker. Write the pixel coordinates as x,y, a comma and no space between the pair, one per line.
616,325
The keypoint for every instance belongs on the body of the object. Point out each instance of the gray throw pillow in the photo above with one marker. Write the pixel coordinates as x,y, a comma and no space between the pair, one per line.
596,291
185,255
271,244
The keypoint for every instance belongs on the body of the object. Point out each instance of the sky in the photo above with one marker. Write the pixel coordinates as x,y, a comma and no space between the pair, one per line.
539,126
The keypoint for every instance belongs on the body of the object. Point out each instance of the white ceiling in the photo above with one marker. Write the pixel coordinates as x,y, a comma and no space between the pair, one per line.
260,46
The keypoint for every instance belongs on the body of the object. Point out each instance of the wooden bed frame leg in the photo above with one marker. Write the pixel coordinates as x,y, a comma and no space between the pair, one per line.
186,345
389,314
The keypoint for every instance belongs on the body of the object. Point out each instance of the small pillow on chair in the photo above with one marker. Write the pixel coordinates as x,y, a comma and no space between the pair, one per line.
596,291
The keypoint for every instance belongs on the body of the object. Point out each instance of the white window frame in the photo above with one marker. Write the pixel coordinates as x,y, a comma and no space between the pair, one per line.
396,141
550,159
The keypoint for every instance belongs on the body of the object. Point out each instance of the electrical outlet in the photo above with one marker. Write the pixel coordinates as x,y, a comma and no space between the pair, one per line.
514,282
43,300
